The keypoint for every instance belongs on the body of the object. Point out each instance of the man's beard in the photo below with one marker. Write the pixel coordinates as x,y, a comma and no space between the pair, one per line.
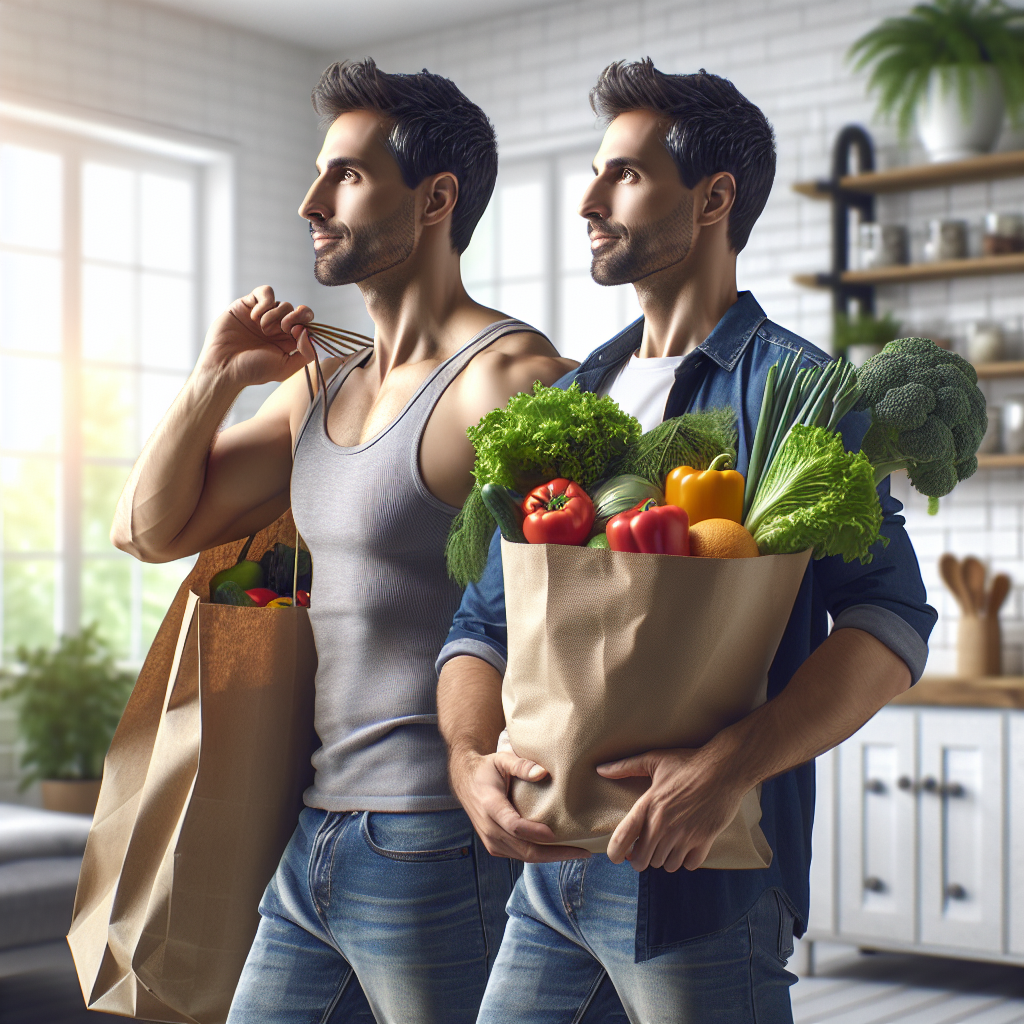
645,249
363,252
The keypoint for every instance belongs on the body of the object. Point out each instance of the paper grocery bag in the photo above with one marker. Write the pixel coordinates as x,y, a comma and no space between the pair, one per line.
201,791
612,654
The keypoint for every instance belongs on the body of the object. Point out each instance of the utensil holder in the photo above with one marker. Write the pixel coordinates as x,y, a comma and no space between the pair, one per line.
979,647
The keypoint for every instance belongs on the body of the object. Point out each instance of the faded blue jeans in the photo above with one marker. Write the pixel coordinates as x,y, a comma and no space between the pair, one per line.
403,913
572,925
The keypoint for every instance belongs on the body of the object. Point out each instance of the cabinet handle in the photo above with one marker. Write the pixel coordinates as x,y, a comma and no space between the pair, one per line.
956,892
954,789
875,786
930,785
905,782
874,884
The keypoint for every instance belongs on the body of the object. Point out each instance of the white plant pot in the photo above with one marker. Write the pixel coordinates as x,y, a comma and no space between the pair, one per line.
951,131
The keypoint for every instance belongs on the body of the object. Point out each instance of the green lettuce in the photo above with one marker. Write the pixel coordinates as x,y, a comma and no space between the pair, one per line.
817,495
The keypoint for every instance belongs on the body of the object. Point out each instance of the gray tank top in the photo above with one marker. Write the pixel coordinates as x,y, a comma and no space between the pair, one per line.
381,603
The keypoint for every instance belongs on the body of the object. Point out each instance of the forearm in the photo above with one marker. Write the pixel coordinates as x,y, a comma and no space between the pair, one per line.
842,684
469,711
166,483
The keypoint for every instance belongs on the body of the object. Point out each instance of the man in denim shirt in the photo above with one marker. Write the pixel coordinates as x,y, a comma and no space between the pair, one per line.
683,172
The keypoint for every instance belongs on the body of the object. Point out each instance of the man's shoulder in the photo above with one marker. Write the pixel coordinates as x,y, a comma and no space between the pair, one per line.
773,342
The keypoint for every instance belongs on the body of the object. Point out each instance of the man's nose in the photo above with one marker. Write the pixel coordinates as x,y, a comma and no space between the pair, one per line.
593,205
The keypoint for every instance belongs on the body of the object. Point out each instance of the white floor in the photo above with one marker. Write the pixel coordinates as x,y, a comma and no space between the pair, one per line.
885,988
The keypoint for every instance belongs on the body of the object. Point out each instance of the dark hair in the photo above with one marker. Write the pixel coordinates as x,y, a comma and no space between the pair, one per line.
432,127
713,127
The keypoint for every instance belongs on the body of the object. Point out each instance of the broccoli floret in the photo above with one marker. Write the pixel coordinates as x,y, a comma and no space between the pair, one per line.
927,415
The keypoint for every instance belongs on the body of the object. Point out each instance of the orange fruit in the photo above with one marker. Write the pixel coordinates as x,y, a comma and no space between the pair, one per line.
721,538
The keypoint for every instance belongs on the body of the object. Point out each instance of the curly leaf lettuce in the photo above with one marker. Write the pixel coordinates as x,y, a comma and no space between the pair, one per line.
817,495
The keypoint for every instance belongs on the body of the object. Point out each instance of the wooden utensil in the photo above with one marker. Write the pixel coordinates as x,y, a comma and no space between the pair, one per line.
997,594
974,579
952,575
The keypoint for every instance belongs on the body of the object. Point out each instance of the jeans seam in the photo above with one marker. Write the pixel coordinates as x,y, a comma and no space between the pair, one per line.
585,1005
411,856
311,868
480,905
332,1005
750,969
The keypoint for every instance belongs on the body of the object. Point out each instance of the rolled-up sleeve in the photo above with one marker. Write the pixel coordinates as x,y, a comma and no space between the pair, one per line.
885,598
479,627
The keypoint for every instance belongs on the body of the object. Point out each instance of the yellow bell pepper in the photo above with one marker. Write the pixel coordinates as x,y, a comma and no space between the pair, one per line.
712,494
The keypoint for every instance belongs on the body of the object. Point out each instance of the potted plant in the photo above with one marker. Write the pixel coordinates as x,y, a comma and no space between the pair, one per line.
954,67
69,700
858,338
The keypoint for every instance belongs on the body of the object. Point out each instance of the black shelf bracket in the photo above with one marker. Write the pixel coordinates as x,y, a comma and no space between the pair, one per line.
853,138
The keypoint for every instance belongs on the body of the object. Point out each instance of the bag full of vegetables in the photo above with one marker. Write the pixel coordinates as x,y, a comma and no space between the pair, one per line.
650,618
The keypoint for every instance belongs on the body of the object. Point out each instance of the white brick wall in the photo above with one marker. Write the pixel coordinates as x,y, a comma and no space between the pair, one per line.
532,72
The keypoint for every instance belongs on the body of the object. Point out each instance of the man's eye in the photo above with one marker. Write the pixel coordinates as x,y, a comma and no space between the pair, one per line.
628,176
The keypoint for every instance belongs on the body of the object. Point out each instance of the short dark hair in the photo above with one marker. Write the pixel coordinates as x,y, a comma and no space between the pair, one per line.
713,127
433,128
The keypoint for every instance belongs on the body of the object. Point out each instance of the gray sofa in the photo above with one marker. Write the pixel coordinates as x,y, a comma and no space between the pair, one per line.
40,857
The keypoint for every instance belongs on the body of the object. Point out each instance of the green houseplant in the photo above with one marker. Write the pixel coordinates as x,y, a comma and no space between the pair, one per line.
68,700
953,66
859,337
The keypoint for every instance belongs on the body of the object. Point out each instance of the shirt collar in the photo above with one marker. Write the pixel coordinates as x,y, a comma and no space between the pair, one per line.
724,345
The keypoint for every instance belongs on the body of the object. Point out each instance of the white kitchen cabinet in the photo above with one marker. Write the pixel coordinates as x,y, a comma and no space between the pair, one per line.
919,834
877,828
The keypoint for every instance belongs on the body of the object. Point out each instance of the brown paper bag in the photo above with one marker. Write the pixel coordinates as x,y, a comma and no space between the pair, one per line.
612,654
201,791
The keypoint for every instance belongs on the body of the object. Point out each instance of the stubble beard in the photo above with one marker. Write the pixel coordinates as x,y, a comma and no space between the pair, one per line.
364,252
646,249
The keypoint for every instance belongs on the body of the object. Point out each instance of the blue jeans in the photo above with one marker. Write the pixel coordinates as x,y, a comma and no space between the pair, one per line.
571,924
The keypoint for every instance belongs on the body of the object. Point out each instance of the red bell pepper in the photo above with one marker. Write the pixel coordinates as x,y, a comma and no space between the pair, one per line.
650,529
558,512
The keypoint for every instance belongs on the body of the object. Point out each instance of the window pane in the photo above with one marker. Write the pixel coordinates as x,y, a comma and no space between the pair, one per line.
158,391
101,487
589,315
30,302
108,413
574,245
159,585
30,415
31,198
108,213
107,599
525,301
167,219
478,259
168,324
485,294
108,314
521,240
28,501
29,594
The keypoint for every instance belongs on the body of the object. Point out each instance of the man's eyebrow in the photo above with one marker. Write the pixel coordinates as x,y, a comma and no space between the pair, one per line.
345,161
617,162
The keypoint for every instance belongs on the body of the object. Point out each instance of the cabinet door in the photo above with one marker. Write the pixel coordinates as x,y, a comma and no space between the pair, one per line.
822,918
877,821
1015,805
961,823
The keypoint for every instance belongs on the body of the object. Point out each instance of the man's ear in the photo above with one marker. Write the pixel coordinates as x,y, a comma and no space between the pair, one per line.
441,192
719,195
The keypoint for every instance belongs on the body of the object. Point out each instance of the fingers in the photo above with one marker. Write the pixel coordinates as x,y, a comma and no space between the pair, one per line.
293,322
627,832
642,764
259,300
516,767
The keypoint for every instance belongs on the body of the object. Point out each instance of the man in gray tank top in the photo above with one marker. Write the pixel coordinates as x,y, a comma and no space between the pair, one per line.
385,905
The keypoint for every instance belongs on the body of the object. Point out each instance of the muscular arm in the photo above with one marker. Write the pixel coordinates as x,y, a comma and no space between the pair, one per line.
694,794
193,487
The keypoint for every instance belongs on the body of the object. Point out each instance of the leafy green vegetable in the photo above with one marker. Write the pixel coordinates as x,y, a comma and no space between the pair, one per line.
927,415
536,437
620,493
693,439
817,494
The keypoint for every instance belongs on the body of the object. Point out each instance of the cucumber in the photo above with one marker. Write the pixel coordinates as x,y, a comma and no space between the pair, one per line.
505,510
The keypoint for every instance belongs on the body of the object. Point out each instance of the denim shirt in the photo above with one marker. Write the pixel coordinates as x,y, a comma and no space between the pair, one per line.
885,598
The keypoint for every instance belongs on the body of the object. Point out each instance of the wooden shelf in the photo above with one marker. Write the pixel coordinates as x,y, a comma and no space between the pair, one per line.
1005,369
953,691
910,273
902,179
1001,460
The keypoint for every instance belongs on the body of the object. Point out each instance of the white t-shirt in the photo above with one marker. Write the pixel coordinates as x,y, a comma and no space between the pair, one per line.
641,387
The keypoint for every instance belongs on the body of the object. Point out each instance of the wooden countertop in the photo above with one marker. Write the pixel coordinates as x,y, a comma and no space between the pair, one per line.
954,691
